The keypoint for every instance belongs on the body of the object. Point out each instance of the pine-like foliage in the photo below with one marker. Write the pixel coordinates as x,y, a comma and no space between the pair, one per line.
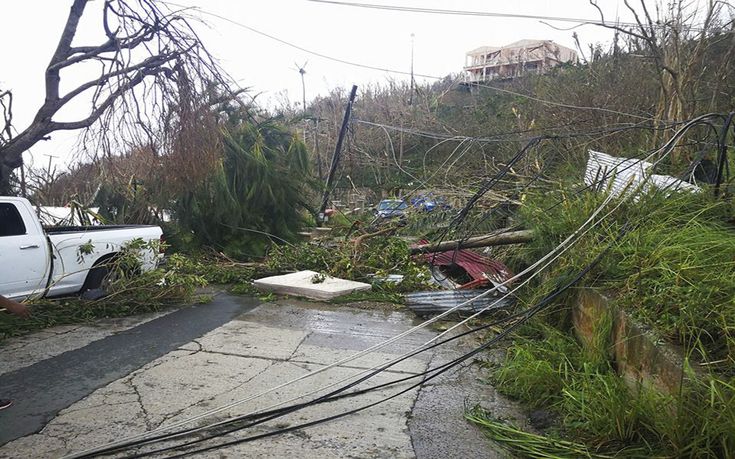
255,195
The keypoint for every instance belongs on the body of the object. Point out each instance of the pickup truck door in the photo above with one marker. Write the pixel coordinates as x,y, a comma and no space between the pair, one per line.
24,259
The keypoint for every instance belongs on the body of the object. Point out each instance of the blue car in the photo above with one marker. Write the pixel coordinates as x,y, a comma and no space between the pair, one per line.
428,203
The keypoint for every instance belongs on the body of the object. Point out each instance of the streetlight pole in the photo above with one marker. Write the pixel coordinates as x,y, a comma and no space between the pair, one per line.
302,71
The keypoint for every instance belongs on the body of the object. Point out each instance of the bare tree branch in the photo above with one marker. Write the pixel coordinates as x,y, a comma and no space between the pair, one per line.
154,74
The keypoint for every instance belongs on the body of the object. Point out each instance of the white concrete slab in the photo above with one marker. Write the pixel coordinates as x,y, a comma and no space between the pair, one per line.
302,284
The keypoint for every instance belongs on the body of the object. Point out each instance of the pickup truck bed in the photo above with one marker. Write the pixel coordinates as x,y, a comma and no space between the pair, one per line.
84,229
37,261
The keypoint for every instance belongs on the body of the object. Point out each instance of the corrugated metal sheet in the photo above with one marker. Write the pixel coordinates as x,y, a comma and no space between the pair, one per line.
435,302
666,182
476,266
622,175
605,172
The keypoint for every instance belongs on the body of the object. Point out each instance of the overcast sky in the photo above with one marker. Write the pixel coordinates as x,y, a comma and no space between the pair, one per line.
29,31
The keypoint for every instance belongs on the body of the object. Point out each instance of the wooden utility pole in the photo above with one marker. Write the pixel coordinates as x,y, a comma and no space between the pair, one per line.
337,153
498,238
410,103
400,157
316,149
48,170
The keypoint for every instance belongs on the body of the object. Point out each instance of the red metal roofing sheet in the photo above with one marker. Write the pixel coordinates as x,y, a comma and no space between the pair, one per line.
477,266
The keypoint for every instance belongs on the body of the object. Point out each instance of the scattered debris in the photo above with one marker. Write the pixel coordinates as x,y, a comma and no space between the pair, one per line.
606,172
465,270
301,283
436,302
389,278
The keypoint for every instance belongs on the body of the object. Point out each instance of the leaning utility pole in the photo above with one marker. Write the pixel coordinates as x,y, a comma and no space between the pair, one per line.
337,153
316,149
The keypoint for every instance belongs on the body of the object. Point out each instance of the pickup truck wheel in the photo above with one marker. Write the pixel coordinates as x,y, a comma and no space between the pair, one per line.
98,275
92,289
95,277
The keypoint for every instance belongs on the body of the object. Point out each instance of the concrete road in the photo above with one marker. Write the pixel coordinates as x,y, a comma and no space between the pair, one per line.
185,363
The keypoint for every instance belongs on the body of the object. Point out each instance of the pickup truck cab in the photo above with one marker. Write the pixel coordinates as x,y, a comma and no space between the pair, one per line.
37,261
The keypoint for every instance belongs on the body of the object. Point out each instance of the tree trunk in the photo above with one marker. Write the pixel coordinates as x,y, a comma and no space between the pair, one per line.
11,153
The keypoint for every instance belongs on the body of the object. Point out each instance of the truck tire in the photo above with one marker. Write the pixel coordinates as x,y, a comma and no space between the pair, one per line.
97,274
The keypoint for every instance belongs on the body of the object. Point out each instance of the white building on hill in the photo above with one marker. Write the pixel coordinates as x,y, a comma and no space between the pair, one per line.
488,63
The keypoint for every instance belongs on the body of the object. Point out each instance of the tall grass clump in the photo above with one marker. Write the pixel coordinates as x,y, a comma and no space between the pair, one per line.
605,416
670,263
673,268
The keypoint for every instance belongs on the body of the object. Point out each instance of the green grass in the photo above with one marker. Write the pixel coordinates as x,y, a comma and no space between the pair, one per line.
149,292
546,368
538,374
526,444
214,270
172,284
674,269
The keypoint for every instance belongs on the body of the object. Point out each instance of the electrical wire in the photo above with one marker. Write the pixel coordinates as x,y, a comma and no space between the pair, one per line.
667,145
530,313
666,149
329,395
542,19
332,396
686,125
551,254
408,9
401,72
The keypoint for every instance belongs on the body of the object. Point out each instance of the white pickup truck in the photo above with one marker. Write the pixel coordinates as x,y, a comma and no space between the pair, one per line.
37,261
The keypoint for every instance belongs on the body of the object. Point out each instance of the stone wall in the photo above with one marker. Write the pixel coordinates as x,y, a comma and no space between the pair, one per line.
637,355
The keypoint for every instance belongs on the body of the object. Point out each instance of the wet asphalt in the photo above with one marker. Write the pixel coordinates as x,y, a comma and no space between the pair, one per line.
41,390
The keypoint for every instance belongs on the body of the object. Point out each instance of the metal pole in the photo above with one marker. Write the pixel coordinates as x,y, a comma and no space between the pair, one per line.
303,89
337,152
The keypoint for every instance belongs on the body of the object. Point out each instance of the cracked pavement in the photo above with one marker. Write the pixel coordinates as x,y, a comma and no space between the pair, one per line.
261,349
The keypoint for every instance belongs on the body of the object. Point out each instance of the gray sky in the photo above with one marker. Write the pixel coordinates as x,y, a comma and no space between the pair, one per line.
30,30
